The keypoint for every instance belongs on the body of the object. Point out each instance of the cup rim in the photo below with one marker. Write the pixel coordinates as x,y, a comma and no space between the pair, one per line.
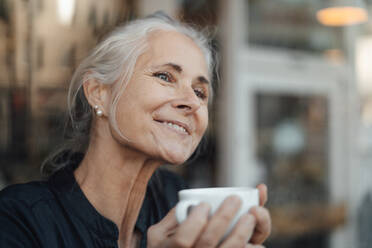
217,190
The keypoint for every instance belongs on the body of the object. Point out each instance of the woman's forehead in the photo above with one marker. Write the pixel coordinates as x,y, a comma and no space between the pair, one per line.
171,47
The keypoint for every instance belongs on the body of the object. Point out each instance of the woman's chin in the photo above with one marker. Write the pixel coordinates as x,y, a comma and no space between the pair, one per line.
176,158
176,161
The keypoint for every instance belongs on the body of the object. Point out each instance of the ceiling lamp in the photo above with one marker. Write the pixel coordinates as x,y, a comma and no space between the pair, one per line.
66,10
342,13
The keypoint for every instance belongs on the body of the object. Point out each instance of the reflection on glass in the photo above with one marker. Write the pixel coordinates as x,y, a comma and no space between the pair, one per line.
292,144
290,24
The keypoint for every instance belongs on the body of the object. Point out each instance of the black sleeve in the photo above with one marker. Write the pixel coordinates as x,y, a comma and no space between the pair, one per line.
16,221
166,185
161,196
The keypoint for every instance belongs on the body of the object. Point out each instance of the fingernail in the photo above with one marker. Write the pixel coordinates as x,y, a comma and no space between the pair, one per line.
250,219
234,199
253,209
204,207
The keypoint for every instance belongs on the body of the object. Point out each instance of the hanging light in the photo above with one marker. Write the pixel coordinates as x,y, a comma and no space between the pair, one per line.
342,13
66,10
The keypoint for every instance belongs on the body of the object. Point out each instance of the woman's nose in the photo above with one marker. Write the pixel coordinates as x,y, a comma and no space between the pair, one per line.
186,101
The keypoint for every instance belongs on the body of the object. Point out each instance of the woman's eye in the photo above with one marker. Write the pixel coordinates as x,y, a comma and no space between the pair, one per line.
163,76
200,93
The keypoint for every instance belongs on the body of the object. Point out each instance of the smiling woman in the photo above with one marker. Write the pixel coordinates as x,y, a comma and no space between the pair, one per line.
139,100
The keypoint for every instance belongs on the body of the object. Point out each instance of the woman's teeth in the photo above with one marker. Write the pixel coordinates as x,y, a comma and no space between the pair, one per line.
175,126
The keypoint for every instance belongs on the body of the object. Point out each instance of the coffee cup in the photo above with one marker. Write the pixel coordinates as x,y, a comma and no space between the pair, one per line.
214,197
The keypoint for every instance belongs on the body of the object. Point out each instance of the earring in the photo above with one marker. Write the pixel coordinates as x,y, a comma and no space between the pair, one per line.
98,112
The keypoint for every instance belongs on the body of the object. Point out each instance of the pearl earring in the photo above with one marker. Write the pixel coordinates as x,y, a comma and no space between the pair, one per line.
98,112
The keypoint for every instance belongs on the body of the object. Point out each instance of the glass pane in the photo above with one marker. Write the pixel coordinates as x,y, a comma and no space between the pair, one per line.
292,140
290,24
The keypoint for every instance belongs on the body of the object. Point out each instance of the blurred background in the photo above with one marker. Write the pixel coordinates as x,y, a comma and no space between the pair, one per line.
293,107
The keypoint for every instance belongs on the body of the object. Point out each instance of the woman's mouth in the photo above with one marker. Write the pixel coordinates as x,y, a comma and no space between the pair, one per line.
177,126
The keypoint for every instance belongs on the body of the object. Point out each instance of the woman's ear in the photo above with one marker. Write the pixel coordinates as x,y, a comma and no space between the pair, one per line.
97,94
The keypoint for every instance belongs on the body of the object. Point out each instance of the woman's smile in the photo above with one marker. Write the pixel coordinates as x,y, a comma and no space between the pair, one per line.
176,126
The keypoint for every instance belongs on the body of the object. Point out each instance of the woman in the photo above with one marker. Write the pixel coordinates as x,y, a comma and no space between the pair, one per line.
139,100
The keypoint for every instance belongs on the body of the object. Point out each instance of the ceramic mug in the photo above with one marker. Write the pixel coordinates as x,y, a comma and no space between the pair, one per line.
214,197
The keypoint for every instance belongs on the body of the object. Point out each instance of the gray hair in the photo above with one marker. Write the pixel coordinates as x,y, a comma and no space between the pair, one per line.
112,63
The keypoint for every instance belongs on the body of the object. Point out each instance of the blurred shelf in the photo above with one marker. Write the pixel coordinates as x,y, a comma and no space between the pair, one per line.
297,220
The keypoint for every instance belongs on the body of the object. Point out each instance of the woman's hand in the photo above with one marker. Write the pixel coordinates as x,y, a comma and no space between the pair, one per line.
198,230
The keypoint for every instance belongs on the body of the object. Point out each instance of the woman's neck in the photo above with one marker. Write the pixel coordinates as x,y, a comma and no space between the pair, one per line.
114,180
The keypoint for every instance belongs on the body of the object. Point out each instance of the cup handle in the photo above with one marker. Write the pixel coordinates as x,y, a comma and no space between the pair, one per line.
182,209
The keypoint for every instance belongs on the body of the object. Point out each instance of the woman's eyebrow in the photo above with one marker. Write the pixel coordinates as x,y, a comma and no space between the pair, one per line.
203,80
174,66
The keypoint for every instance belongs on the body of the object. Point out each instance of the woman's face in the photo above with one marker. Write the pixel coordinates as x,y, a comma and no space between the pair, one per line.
164,109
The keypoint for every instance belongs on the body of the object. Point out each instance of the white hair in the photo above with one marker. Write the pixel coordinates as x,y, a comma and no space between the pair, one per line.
112,63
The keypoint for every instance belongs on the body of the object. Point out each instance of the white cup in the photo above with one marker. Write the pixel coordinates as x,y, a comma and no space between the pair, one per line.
214,197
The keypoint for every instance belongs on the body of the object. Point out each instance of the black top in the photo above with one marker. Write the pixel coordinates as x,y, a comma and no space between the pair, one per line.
56,213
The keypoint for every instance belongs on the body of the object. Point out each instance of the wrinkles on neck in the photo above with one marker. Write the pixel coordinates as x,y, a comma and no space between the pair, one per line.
114,180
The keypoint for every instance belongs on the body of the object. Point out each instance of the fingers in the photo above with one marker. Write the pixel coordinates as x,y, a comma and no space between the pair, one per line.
219,222
262,189
168,233
263,225
241,233
188,232
157,232
199,231
170,220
